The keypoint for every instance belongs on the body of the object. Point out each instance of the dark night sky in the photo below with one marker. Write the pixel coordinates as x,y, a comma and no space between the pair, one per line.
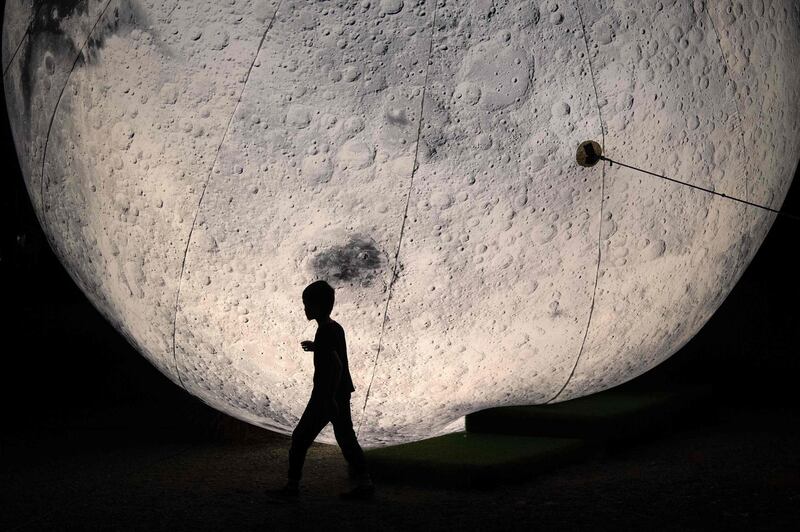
59,355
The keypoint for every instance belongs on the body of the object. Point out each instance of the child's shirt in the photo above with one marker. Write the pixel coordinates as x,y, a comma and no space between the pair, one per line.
330,337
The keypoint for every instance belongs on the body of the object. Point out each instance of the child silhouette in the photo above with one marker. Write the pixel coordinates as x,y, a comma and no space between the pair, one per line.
330,397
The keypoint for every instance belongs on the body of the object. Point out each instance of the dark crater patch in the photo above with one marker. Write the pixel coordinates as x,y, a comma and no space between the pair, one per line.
121,21
46,38
358,259
45,33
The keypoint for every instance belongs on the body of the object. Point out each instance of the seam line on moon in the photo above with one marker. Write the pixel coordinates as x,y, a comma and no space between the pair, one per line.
205,186
405,213
55,110
602,199
167,18
738,111
22,40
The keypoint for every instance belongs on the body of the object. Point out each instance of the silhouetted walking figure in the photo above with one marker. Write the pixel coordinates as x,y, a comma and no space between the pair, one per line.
330,397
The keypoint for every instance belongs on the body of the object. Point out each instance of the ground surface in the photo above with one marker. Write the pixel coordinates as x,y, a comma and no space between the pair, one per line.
736,470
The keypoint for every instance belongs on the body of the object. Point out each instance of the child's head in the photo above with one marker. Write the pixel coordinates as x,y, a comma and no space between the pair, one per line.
318,299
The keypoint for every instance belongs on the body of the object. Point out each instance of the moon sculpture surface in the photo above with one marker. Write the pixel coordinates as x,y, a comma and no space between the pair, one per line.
195,164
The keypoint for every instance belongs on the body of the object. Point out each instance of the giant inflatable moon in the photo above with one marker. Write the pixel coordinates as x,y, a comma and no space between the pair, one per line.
195,164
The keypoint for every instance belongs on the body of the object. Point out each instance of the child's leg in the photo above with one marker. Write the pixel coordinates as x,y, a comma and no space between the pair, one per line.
346,438
311,423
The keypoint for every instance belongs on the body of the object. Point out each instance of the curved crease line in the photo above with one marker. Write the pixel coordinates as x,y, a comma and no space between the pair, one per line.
205,187
55,110
405,215
602,199
167,18
22,40
748,212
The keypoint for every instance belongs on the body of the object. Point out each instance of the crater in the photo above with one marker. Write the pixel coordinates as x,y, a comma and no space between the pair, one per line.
501,71
357,260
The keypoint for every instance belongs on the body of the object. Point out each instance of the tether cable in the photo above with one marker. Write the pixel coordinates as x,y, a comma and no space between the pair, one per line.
612,162
590,153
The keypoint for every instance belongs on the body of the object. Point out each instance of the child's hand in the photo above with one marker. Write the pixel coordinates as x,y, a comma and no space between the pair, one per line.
307,345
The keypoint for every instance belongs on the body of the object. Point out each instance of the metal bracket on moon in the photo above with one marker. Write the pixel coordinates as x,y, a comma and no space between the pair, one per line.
196,165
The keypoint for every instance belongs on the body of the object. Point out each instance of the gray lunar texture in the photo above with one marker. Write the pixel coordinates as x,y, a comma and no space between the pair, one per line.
195,164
